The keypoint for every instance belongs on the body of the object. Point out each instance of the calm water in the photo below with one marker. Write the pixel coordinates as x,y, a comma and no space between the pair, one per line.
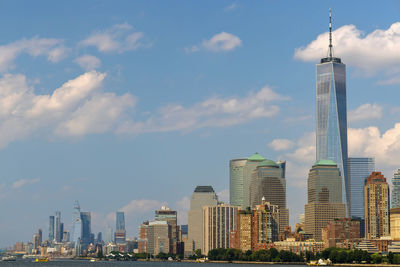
127,263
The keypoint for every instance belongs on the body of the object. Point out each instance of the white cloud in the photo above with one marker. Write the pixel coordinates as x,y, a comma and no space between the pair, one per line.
281,144
378,50
213,112
118,38
23,182
52,48
223,195
88,62
231,7
221,42
74,109
366,112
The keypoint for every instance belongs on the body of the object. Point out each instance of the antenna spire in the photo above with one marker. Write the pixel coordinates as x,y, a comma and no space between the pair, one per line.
330,33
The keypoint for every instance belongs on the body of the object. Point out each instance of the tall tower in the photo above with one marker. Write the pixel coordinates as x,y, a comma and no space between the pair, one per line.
120,232
76,223
331,124
396,189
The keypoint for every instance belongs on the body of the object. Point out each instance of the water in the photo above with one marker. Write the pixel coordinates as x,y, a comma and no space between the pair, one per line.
125,263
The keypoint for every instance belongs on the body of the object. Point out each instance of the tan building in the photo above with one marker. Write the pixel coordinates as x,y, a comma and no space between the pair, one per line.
300,246
158,238
341,232
218,221
268,181
376,203
324,197
395,224
202,196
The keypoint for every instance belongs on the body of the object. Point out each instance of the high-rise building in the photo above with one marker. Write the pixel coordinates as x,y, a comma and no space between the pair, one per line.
120,232
158,237
396,189
170,216
218,223
325,204
86,227
143,240
358,169
395,224
268,181
109,235
99,237
76,223
57,227
331,113
376,203
202,196
40,236
240,171
51,228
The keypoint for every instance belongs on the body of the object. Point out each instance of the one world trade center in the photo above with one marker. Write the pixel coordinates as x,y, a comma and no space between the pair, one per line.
331,117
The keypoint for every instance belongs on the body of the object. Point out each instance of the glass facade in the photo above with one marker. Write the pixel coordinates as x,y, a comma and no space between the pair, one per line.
76,223
86,227
396,189
51,228
120,221
359,170
331,117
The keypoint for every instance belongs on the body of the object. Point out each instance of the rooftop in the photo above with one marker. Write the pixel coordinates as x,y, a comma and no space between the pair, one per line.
325,162
268,163
204,189
256,157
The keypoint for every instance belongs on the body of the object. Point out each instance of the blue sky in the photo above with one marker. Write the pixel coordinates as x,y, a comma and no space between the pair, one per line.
131,104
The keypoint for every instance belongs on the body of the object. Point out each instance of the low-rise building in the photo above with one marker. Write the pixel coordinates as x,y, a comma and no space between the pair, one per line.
298,247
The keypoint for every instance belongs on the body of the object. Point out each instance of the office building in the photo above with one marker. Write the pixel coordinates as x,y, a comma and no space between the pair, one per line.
396,189
109,237
376,203
218,223
359,169
86,227
99,238
76,223
268,181
57,227
170,216
395,224
51,228
158,237
202,196
324,186
40,236
240,171
341,231
143,239
120,232
331,113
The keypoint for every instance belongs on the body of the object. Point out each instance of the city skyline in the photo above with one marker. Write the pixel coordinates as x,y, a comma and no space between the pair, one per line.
222,86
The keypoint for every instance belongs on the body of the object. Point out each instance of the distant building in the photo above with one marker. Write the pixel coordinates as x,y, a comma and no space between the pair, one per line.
76,234
143,239
324,197
342,230
300,246
51,228
359,169
202,196
395,224
158,237
57,227
86,227
109,237
218,222
99,237
240,171
120,232
170,216
376,202
396,189
268,181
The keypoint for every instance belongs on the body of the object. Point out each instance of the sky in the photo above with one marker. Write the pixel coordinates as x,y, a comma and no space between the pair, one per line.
129,105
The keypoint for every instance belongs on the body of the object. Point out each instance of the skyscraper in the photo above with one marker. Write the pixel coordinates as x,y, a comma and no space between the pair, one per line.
396,189
325,204
86,227
331,113
170,216
57,227
358,169
202,196
120,232
109,235
76,223
376,197
51,228
240,171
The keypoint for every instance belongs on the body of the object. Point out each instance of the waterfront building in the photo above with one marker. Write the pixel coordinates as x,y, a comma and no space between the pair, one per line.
158,237
86,227
366,245
143,239
120,232
109,237
57,227
76,223
324,186
240,171
51,228
341,230
218,222
395,224
202,196
298,247
170,216
359,169
376,203
331,113
268,182
396,189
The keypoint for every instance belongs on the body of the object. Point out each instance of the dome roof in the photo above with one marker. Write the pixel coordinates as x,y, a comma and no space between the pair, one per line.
325,162
268,163
256,157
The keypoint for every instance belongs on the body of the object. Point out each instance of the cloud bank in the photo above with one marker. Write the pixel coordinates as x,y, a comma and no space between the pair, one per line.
221,42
